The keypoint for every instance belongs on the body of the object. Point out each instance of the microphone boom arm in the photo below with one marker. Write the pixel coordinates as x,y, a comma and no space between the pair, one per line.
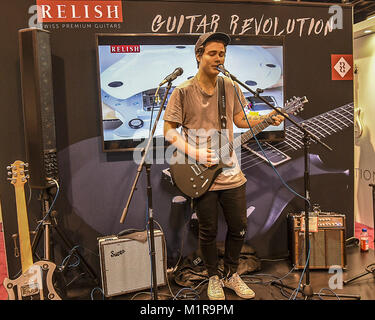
256,94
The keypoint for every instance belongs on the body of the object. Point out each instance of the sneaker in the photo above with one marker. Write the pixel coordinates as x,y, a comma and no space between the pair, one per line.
236,283
215,289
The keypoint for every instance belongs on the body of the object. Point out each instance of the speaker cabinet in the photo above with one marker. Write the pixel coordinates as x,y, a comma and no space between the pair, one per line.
125,263
38,105
327,244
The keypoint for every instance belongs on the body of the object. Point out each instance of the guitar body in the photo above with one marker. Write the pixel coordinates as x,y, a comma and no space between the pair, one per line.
34,284
192,178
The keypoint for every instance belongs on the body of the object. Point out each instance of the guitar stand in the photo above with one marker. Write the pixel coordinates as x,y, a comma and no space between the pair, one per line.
49,223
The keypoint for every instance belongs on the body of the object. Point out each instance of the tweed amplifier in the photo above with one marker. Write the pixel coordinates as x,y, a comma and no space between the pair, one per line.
327,240
125,263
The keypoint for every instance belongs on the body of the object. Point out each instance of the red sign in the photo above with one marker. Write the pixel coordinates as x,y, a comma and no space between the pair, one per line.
342,66
128,48
79,11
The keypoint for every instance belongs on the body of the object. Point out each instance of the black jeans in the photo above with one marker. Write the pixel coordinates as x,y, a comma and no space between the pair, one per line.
233,203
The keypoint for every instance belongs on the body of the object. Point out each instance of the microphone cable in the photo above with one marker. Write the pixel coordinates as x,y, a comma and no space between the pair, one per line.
51,206
156,101
264,154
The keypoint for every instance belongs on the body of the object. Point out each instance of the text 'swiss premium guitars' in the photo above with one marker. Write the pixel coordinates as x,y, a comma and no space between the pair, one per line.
194,179
36,282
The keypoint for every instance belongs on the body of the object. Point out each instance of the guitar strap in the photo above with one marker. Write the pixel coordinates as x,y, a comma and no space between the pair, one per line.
221,107
221,104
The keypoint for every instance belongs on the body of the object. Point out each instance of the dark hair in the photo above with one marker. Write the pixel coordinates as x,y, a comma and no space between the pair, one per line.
201,49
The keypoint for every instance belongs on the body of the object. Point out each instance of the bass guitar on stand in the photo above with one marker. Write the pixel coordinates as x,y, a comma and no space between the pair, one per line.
35,282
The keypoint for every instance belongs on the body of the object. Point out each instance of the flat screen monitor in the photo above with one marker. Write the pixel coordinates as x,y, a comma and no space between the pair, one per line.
131,67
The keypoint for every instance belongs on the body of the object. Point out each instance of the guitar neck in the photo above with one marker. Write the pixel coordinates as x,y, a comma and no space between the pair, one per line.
241,139
23,229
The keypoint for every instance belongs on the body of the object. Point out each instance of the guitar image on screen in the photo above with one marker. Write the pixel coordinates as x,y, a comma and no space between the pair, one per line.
35,282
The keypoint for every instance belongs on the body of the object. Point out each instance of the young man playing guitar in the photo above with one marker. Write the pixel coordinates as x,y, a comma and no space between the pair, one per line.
194,106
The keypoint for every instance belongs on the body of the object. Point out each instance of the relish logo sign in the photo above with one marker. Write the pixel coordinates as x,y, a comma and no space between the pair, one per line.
128,48
79,11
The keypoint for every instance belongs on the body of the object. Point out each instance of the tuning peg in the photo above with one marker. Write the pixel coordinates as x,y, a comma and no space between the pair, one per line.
10,167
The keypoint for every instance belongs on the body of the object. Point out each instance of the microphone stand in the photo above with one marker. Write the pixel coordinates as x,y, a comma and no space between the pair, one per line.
142,164
307,290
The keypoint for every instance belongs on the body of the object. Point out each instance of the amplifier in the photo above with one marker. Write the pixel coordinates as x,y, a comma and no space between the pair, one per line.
327,240
125,263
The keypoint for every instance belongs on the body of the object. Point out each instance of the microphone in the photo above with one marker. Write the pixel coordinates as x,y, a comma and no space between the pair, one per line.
177,72
224,71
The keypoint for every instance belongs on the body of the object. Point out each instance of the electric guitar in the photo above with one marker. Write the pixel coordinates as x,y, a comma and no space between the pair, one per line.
36,282
194,179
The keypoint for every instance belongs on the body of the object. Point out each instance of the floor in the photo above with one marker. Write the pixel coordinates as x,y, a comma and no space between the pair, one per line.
320,281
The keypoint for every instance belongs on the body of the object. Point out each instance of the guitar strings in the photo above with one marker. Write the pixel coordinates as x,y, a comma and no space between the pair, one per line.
273,167
294,134
299,145
283,146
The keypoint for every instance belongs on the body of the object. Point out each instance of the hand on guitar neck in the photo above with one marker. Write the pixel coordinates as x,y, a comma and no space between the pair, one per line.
277,118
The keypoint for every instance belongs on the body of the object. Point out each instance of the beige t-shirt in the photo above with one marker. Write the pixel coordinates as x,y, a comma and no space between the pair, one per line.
197,112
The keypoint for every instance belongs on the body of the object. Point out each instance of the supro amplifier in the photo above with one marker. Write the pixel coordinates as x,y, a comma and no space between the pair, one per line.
327,240
125,263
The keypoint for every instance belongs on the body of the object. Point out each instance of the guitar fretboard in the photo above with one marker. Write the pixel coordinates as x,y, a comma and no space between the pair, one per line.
241,139
323,125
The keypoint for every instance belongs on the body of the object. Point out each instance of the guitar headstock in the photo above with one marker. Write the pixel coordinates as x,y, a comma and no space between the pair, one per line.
17,173
295,105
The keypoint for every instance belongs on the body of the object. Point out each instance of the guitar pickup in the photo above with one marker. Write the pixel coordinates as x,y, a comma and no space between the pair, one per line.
275,156
30,289
196,169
